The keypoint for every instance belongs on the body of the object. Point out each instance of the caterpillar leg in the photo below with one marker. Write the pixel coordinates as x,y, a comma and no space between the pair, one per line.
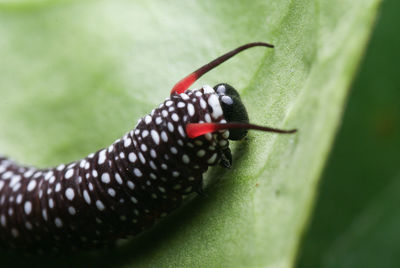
226,158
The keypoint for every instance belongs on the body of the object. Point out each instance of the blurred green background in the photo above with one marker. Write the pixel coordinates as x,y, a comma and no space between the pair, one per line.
356,222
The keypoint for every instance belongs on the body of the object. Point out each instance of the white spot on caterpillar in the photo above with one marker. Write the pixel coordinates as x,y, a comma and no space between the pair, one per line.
173,150
71,165
19,199
37,174
105,178
158,120
28,173
132,157
175,117
222,143
190,109
225,134
137,172
48,175
227,100
212,159
181,131
170,127
16,187
102,157
131,185
3,220
184,96
100,205
145,133
147,119
164,136
127,142
207,117
7,175
143,147
185,159
152,165
71,210
58,222
14,180
111,192
155,136
31,186
134,200
142,159
28,207
118,178
201,153
70,194
221,89
81,164
52,179
216,106
69,173
58,187
86,197
44,214
60,167
110,148
203,104
208,90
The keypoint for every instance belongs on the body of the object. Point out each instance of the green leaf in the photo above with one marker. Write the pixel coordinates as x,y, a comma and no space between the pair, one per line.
76,76
355,223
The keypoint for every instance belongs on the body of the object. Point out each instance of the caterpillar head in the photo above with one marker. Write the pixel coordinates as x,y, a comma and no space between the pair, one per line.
233,109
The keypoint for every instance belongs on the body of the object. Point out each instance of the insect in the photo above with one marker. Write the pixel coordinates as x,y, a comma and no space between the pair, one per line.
125,188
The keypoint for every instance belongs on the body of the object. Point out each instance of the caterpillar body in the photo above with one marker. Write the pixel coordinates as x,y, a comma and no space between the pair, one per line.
125,188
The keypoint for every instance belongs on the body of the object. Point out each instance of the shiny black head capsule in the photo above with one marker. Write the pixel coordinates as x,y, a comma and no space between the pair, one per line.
233,109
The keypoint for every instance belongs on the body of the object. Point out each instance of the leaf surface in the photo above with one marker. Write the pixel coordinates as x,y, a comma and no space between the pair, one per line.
77,75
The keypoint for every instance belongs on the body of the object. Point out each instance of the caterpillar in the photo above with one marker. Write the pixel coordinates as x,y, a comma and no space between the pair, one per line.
123,189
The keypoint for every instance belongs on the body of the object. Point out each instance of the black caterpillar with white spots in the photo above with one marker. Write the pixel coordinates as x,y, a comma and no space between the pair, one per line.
125,188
